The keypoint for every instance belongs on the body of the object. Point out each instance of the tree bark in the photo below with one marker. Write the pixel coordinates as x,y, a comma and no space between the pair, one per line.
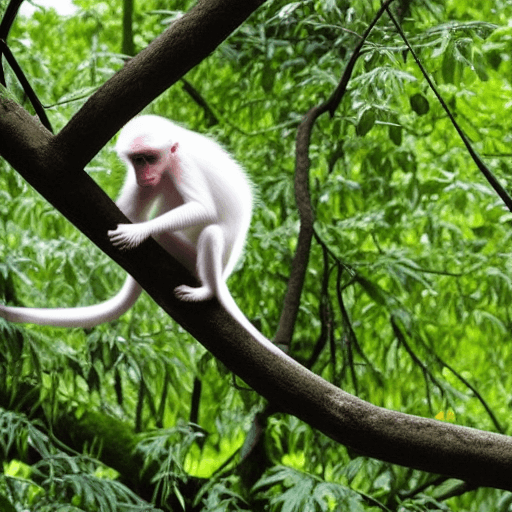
54,166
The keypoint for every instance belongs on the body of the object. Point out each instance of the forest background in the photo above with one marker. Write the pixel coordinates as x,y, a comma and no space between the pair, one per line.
406,300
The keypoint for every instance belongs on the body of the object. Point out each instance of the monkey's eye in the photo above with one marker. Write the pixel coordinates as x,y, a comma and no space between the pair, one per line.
138,160
144,159
151,159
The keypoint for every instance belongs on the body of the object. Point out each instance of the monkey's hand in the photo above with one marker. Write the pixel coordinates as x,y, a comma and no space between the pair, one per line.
128,236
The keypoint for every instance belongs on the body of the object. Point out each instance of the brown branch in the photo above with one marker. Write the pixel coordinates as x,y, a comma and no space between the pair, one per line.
307,218
177,50
211,118
302,196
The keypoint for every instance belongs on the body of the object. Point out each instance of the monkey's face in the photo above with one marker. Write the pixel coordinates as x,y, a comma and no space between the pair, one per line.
149,166
150,163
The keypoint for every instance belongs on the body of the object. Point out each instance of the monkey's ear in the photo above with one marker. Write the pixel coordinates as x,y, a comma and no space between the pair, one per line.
174,148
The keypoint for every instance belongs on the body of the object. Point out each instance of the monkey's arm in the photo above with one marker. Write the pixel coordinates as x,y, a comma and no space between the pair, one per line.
198,209
128,236
87,316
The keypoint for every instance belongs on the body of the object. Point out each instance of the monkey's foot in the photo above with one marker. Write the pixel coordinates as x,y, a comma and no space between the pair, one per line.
189,294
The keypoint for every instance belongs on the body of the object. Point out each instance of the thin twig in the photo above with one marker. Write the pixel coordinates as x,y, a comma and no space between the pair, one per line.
495,184
25,84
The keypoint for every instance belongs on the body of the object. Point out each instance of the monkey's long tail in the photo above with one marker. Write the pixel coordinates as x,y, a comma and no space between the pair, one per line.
86,316
231,307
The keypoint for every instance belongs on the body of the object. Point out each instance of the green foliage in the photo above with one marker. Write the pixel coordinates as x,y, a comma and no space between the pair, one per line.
58,480
167,449
407,291
293,491
219,495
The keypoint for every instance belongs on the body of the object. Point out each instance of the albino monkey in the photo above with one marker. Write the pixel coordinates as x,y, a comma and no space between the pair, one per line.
202,202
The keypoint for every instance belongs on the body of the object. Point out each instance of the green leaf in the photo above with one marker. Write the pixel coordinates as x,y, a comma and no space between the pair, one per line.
448,65
373,290
366,122
419,104
480,68
395,134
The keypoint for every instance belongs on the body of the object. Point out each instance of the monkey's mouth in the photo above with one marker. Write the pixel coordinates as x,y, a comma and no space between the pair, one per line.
147,182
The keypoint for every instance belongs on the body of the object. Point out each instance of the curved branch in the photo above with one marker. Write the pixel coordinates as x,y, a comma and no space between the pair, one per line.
302,196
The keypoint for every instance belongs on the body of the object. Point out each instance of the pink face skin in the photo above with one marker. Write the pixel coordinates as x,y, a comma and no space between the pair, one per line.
149,163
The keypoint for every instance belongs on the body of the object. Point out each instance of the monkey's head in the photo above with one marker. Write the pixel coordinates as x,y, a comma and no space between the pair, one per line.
146,144
149,163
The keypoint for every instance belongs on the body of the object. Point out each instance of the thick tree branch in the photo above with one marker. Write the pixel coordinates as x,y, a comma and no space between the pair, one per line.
50,165
177,50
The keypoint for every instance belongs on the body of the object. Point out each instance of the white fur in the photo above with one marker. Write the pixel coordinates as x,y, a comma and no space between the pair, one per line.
203,205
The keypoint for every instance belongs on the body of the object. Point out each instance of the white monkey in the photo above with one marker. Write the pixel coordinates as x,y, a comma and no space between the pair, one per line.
202,202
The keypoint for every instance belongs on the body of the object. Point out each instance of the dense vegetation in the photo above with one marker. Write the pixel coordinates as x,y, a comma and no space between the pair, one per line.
406,302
